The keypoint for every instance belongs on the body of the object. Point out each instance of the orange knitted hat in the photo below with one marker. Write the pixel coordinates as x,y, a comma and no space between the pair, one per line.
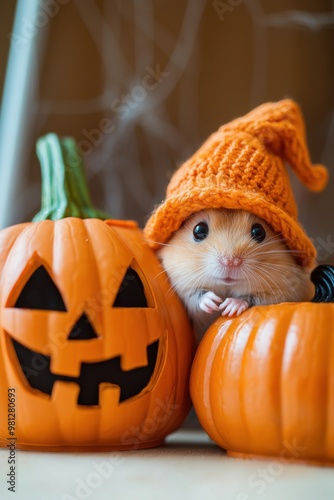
242,166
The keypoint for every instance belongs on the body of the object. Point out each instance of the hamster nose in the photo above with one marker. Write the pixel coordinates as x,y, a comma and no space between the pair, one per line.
231,261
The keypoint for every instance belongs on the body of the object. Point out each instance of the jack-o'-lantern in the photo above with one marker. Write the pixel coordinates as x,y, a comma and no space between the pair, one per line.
95,352
262,384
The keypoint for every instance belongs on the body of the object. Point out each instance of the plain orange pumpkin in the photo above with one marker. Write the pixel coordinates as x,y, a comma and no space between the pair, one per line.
262,384
94,351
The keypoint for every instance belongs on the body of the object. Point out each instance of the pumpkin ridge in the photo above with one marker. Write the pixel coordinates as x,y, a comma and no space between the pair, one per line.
271,362
8,238
219,348
323,411
90,228
325,399
23,245
282,420
109,235
204,385
303,381
7,244
283,332
325,344
329,400
118,230
242,385
312,368
68,229
86,225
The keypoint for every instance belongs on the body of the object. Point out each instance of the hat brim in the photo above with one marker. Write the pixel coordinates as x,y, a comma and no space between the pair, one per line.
170,215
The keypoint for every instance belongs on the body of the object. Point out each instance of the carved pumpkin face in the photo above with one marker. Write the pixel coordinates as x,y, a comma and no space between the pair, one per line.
97,354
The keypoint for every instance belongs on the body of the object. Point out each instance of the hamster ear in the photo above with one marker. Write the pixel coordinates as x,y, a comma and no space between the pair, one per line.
280,127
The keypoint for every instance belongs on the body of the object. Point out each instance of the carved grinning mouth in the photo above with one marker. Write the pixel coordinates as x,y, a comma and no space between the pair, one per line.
131,382
41,293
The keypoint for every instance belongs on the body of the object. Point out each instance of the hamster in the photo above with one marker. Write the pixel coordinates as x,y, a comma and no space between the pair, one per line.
222,261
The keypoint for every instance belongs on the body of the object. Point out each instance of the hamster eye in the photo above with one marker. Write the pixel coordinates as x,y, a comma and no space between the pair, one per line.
200,231
258,233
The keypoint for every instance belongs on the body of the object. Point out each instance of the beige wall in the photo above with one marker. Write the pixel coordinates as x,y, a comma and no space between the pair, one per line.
219,66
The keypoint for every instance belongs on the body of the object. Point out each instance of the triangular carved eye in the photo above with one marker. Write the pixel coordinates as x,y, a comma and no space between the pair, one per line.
131,292
40,292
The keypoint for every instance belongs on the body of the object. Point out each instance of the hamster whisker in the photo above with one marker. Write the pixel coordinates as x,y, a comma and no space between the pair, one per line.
191,284
267,266
276,280
260,268
213,246
265,245
170,291
255,281
253,256
161,273
164,244
269,243
286,251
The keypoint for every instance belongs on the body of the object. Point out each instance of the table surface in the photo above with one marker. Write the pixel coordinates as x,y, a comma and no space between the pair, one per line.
187,466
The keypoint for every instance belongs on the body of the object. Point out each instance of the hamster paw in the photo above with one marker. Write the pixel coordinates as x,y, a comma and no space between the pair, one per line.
209,302
232,306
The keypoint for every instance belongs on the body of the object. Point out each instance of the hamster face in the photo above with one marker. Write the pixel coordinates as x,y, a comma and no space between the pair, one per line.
236,253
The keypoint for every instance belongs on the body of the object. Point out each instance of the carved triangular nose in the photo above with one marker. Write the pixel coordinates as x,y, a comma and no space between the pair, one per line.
82,330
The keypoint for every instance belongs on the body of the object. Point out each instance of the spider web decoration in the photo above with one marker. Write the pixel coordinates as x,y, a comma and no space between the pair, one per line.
160,77
135,100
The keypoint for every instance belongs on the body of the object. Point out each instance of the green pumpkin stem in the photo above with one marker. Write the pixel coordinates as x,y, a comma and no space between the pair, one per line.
64,188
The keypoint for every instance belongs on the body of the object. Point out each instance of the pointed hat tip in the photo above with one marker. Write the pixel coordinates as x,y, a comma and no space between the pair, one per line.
319,179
